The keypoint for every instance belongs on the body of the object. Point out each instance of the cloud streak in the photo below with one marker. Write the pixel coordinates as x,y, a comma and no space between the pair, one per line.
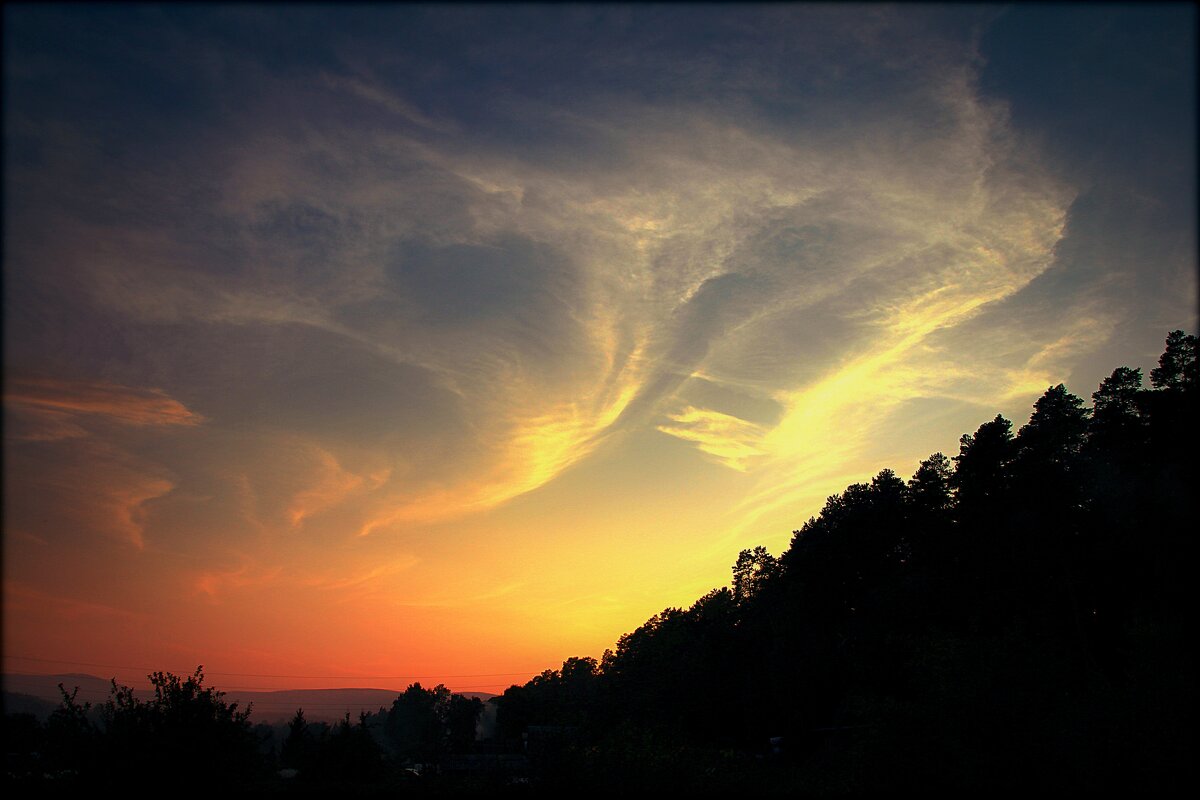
123,404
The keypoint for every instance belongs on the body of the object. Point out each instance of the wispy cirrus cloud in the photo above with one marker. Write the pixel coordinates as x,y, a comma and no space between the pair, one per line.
124,404
69,472
72,489
730,439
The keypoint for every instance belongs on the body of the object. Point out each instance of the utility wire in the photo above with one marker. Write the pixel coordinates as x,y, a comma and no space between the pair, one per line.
307,677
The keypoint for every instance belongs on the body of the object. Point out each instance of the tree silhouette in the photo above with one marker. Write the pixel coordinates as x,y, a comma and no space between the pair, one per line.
186,733
297,747
462,716
1177,367
1055,433
1115,402
416,723
981,466
71,738
1117,424
751,572
929,488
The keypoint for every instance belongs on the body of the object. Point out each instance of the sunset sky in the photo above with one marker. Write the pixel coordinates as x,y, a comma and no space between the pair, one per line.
359,345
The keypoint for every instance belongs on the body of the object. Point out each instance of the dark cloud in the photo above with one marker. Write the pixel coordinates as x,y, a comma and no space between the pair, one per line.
1108,91
1111,88
302,380
457,283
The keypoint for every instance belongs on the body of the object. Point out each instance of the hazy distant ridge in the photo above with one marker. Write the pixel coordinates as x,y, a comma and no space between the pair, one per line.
318,704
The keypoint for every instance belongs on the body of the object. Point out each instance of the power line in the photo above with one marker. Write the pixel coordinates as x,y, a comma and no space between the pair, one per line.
235,687
260,705
306,677
266,690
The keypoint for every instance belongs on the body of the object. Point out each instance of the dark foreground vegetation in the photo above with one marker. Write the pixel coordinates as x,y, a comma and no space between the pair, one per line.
1011,619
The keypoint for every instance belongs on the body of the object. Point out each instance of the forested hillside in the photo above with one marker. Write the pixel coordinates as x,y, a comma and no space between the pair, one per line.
1012,617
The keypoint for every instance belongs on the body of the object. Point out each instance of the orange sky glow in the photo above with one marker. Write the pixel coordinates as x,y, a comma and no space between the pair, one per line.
336,368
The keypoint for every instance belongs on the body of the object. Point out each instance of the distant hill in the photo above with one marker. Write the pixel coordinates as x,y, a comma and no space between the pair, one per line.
16,703
45,687
327,705
39,695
